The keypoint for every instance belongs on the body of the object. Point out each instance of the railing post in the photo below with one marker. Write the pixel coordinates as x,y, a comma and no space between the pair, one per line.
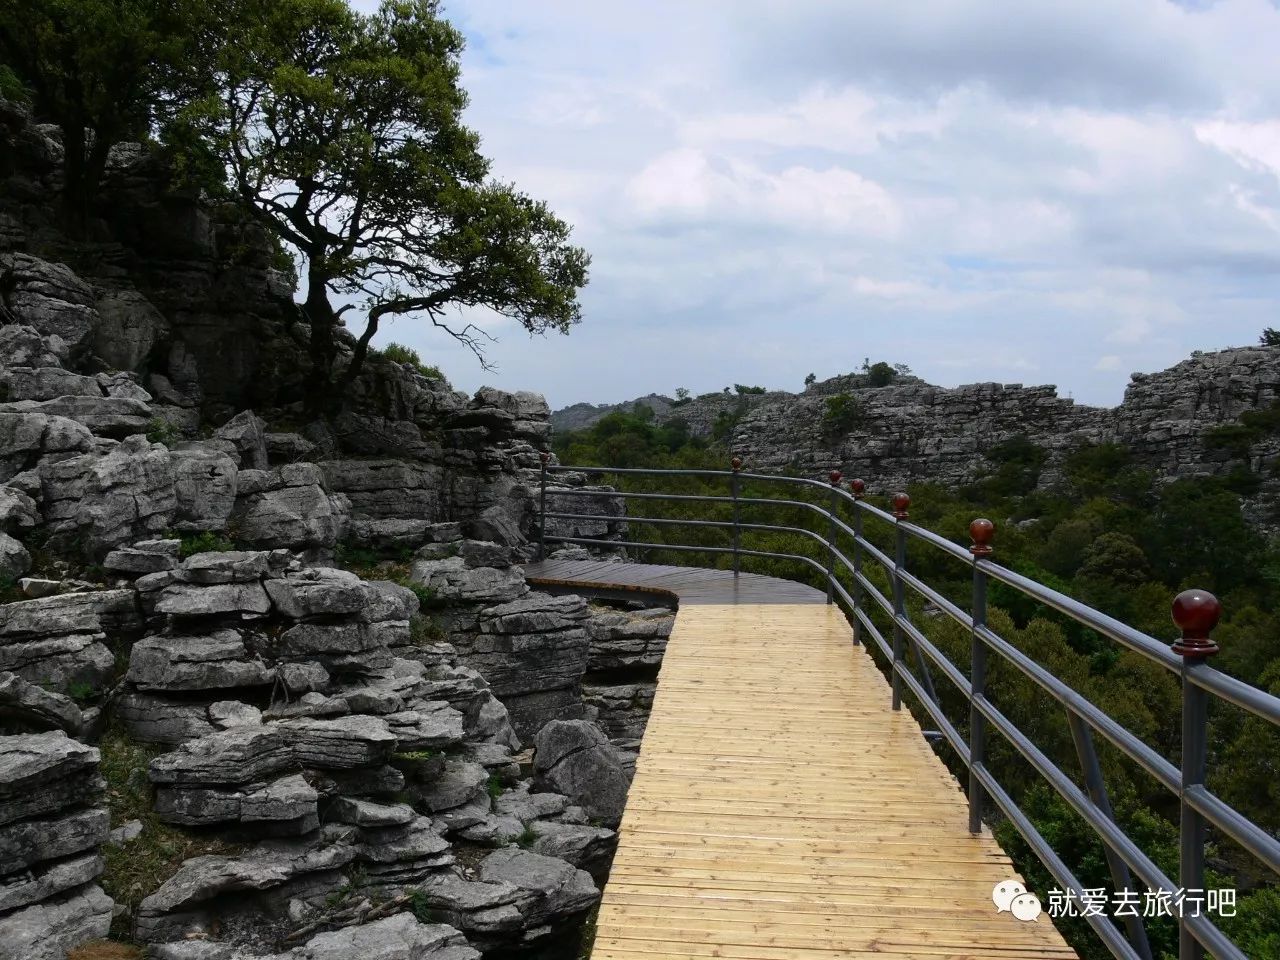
859,490
1196,612
542,509
831,534
736,463
981,532
901,507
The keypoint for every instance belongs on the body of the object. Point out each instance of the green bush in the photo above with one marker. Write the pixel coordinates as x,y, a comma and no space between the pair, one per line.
162,431
399,353
204,542
842,414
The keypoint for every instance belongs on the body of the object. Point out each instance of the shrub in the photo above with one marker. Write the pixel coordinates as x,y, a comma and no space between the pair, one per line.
162,431
205,542
842,414
399,353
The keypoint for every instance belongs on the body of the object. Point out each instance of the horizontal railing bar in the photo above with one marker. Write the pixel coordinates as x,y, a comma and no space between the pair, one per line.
1108,626
953,673
942,603
1117,735
885,604
1242,830
934,710
1109,934
596,541
1108,830
640,471
1258,702
883,644
875,553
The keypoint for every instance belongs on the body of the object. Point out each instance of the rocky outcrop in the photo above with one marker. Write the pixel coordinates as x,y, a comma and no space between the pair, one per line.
51,830
574,758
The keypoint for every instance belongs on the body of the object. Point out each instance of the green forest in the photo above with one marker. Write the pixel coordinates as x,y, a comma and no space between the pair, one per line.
1107,534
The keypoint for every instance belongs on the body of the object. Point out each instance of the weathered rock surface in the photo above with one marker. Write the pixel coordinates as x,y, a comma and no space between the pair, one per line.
574,758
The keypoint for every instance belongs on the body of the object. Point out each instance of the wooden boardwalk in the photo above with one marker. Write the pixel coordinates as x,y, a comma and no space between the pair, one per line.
781,810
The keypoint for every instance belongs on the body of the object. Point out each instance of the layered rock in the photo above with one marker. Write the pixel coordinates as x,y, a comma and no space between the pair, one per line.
51,830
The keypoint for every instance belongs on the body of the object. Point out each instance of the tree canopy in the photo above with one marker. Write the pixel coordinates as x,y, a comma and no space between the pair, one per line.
343,133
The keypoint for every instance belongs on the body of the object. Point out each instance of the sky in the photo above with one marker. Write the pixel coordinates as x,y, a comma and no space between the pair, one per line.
1009,191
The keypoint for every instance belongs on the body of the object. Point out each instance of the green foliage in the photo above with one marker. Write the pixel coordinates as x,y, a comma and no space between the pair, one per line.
114,68
343,132
495,786
409,357
842,414
810,379
138,868
880,374
162,431
1109,535
682,396
527,837
742,390
204,542
424,630
1270,337
12,88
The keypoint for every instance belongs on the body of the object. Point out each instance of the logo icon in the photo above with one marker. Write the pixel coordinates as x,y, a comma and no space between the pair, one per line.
1010,896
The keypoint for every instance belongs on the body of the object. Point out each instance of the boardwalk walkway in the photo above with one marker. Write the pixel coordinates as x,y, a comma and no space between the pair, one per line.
780,809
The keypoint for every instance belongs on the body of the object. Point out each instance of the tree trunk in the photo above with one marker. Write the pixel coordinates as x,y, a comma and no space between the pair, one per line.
321,396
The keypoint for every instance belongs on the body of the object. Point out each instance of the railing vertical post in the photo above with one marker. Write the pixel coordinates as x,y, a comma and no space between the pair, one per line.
736,463
1196,612
859,490
901,506
981,532
831,534
542,508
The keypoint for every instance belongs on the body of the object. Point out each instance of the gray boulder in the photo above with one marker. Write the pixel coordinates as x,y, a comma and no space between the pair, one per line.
231,566
104,416
195,663
28,438
200,600
205,485
35,706
320,592
51,929
50,298
128,327
14,558
246,431
110,500
574,758
23,346
289,507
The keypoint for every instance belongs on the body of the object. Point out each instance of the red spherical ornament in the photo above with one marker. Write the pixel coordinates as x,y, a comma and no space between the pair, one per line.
981,532
1196,612
859,488
835,478
545,458
736,463
901,506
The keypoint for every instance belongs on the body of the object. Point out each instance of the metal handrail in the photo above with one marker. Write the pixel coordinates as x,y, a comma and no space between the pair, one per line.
1196,612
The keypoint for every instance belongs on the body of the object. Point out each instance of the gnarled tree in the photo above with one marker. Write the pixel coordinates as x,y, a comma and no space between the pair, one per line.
343,132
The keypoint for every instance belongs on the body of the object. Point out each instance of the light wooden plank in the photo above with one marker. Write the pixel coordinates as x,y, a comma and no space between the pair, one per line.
781,810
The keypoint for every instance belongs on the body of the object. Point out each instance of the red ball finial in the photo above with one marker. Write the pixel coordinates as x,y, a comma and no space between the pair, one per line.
901,506
859,488
835,478
545,458
1196,612
736,463
980,532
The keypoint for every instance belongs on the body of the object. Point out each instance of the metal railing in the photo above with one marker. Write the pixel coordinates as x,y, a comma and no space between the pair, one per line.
1196,613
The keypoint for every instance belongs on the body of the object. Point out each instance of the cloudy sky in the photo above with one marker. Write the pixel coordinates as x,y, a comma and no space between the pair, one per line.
1014,191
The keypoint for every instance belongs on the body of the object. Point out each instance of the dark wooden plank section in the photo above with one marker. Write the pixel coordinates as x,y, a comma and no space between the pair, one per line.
690,585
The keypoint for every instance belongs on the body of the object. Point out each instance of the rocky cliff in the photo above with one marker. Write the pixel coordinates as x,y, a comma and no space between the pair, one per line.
911,431
267,682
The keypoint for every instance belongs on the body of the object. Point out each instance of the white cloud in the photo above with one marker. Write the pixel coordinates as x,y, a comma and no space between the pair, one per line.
976,188
1108,363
